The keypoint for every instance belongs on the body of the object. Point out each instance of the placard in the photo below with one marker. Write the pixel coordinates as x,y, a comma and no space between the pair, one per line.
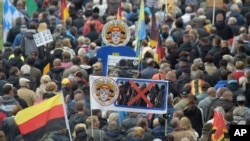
116,33
131,95
218,3
122,66
105,51
43,37
152,3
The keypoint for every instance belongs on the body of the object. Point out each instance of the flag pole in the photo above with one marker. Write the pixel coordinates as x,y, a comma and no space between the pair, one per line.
65,116
92,124
213,12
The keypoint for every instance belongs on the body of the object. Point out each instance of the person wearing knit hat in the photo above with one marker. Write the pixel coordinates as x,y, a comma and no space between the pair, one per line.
66,86
241,110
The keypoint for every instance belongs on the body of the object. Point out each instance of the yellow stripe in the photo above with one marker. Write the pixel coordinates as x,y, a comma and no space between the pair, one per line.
46,69
200,86
192,87
153,43
65,13
35,110
156,58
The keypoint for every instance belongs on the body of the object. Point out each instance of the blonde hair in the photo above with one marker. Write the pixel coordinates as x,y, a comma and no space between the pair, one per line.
138,132
113,117
194,33
185,123
78,126
51,86
81,39
91,119
66,42
45,79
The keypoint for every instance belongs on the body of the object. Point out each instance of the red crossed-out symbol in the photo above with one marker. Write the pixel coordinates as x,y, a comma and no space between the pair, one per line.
140,93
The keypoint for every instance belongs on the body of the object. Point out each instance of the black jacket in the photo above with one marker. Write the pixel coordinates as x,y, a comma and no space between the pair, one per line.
75,119
13,79
10,128
17,62
114,136
228,106
195,116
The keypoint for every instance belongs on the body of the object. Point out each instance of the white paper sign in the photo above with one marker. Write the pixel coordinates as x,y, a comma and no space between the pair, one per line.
131,95
152,3
43,37
122,66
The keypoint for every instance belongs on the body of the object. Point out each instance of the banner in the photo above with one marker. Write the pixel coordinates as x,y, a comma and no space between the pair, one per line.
43,37
131,95
122,66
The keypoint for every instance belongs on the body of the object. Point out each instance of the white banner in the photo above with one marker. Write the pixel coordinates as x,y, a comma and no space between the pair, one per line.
42,38
131,95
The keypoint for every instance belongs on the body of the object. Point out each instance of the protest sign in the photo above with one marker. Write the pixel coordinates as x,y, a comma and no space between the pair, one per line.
131,95
103,53
42,38
122,66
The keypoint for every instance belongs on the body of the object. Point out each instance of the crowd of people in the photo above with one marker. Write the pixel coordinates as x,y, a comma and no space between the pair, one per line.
206,63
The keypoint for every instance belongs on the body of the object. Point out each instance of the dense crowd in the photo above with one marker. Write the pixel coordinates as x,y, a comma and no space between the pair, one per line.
206,63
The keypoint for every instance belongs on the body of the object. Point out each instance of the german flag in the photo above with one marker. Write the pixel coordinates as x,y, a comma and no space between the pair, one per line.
219,128
154,33
47,116
119,12
159,51
64,10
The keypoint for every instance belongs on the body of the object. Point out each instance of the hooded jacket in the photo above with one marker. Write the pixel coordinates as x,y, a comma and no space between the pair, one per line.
114,136
234,86
8,102
56,74
75,119
28,44
195,116
16,61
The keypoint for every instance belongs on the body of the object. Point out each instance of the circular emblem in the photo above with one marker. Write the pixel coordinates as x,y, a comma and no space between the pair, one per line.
105,91
116,33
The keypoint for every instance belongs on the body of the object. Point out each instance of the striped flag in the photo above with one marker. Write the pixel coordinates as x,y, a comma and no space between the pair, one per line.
119,12
159,51
154,34
10,14
219,127
64,10
31,6
37,120
141,34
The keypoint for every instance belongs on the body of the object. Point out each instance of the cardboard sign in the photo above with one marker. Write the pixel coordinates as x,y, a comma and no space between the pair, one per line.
218,3
43,37
131,95
122,66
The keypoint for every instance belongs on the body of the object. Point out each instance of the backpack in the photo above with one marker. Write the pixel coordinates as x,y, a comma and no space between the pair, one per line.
29,46
57,78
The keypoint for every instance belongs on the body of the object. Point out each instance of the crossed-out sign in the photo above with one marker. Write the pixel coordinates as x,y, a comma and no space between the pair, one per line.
140,93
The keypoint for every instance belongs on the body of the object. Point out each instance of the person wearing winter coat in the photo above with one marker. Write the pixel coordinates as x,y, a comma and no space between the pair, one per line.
114,133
